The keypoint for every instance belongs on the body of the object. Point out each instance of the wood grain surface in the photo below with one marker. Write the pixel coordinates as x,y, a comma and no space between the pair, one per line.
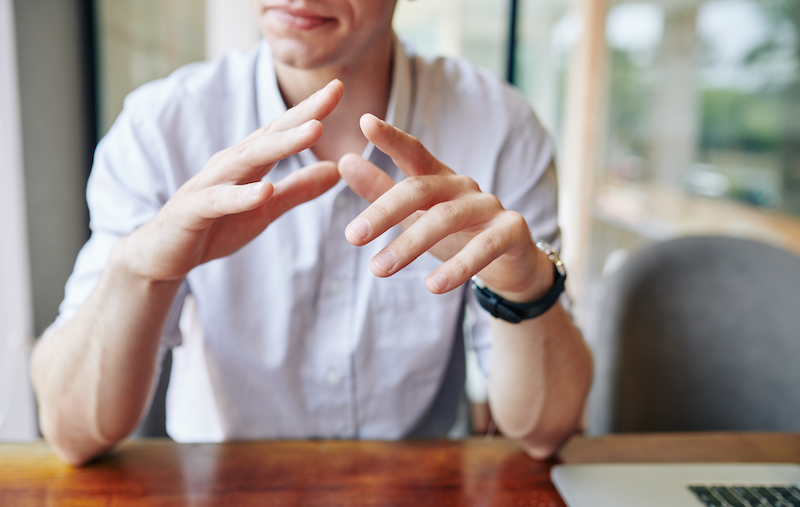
287,473
333,473
684,447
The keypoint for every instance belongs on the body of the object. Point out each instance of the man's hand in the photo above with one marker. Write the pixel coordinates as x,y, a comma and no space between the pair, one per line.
93,377
226,204
541,368
445,214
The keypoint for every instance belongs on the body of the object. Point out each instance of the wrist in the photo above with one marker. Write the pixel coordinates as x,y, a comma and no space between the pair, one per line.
532,287
500,306
126,263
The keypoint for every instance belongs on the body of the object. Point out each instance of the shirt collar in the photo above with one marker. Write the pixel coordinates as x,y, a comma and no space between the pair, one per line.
270,102
399,110
268,96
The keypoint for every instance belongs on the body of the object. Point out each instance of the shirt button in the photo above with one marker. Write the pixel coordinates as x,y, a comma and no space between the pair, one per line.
341,201
333,377
334,287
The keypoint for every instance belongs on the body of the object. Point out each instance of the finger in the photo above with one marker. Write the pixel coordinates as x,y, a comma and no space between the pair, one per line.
222,200
412,194
318,106
438,223
405,150
251,159
478,253
295,130
366,179
302,186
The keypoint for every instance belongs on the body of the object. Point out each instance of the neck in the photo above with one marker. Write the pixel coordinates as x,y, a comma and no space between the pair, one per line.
367,85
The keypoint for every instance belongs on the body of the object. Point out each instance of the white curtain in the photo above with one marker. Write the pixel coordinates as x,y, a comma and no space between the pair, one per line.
17,421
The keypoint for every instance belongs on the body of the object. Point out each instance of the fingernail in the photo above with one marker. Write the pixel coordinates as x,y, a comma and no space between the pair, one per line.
302,129
439,280
318,94
385,260
256,188
359,228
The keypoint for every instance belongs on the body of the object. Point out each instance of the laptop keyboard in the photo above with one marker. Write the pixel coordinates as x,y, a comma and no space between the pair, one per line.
747,496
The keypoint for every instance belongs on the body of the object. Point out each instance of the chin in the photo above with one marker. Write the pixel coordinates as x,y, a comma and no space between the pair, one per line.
299,55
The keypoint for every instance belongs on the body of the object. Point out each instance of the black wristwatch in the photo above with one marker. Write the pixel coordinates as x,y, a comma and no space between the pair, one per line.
517,312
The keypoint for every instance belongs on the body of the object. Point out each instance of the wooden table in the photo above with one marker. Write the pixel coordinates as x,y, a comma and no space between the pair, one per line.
330,473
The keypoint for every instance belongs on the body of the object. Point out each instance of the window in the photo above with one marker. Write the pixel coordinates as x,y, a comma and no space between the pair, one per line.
701,132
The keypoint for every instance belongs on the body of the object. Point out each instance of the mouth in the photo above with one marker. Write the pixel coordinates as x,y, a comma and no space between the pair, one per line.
299,19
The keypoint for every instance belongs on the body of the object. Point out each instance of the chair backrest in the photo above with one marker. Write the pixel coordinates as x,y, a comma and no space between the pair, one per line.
699,333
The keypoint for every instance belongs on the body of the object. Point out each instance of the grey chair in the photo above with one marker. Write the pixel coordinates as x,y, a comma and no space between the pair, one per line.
699,333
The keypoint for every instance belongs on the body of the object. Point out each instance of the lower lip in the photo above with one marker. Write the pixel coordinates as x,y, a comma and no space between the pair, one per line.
298,22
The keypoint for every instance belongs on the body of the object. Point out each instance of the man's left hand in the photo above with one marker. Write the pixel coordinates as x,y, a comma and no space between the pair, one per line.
443,213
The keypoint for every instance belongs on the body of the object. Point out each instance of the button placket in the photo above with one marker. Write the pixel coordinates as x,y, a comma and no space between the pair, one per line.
334,377
332,342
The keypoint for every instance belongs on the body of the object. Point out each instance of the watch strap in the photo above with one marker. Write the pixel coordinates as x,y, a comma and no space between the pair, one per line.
517,312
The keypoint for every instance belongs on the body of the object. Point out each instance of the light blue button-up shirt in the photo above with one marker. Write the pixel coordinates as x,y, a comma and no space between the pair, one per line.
292,336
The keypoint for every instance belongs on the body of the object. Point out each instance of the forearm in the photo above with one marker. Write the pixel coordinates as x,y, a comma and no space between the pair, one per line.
93,377
541,375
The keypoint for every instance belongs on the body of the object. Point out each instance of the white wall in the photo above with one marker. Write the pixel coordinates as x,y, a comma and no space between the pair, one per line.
55,111
16,319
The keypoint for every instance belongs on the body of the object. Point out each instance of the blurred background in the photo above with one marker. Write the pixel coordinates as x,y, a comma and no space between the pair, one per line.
672,118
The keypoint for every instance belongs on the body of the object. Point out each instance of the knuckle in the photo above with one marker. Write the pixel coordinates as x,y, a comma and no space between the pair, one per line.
241,150
216,157
491,201
492,246
448,212
421,185
212,199
519,221
408,243
516,223
193,185
416,144
461,268
382,214
216,200
467,183
284,148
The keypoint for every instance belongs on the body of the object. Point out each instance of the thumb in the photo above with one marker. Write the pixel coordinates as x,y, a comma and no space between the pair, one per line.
366,179
301,186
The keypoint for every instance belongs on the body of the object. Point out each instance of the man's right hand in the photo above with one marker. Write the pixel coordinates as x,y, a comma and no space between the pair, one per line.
226,204
94,374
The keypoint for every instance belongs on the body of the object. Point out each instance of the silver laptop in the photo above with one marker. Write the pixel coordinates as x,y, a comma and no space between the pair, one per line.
678,485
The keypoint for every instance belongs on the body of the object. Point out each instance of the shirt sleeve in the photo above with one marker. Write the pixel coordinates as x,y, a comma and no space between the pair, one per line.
524,181
127,187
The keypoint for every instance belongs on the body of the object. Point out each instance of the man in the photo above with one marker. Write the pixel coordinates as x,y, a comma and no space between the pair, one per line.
293,337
